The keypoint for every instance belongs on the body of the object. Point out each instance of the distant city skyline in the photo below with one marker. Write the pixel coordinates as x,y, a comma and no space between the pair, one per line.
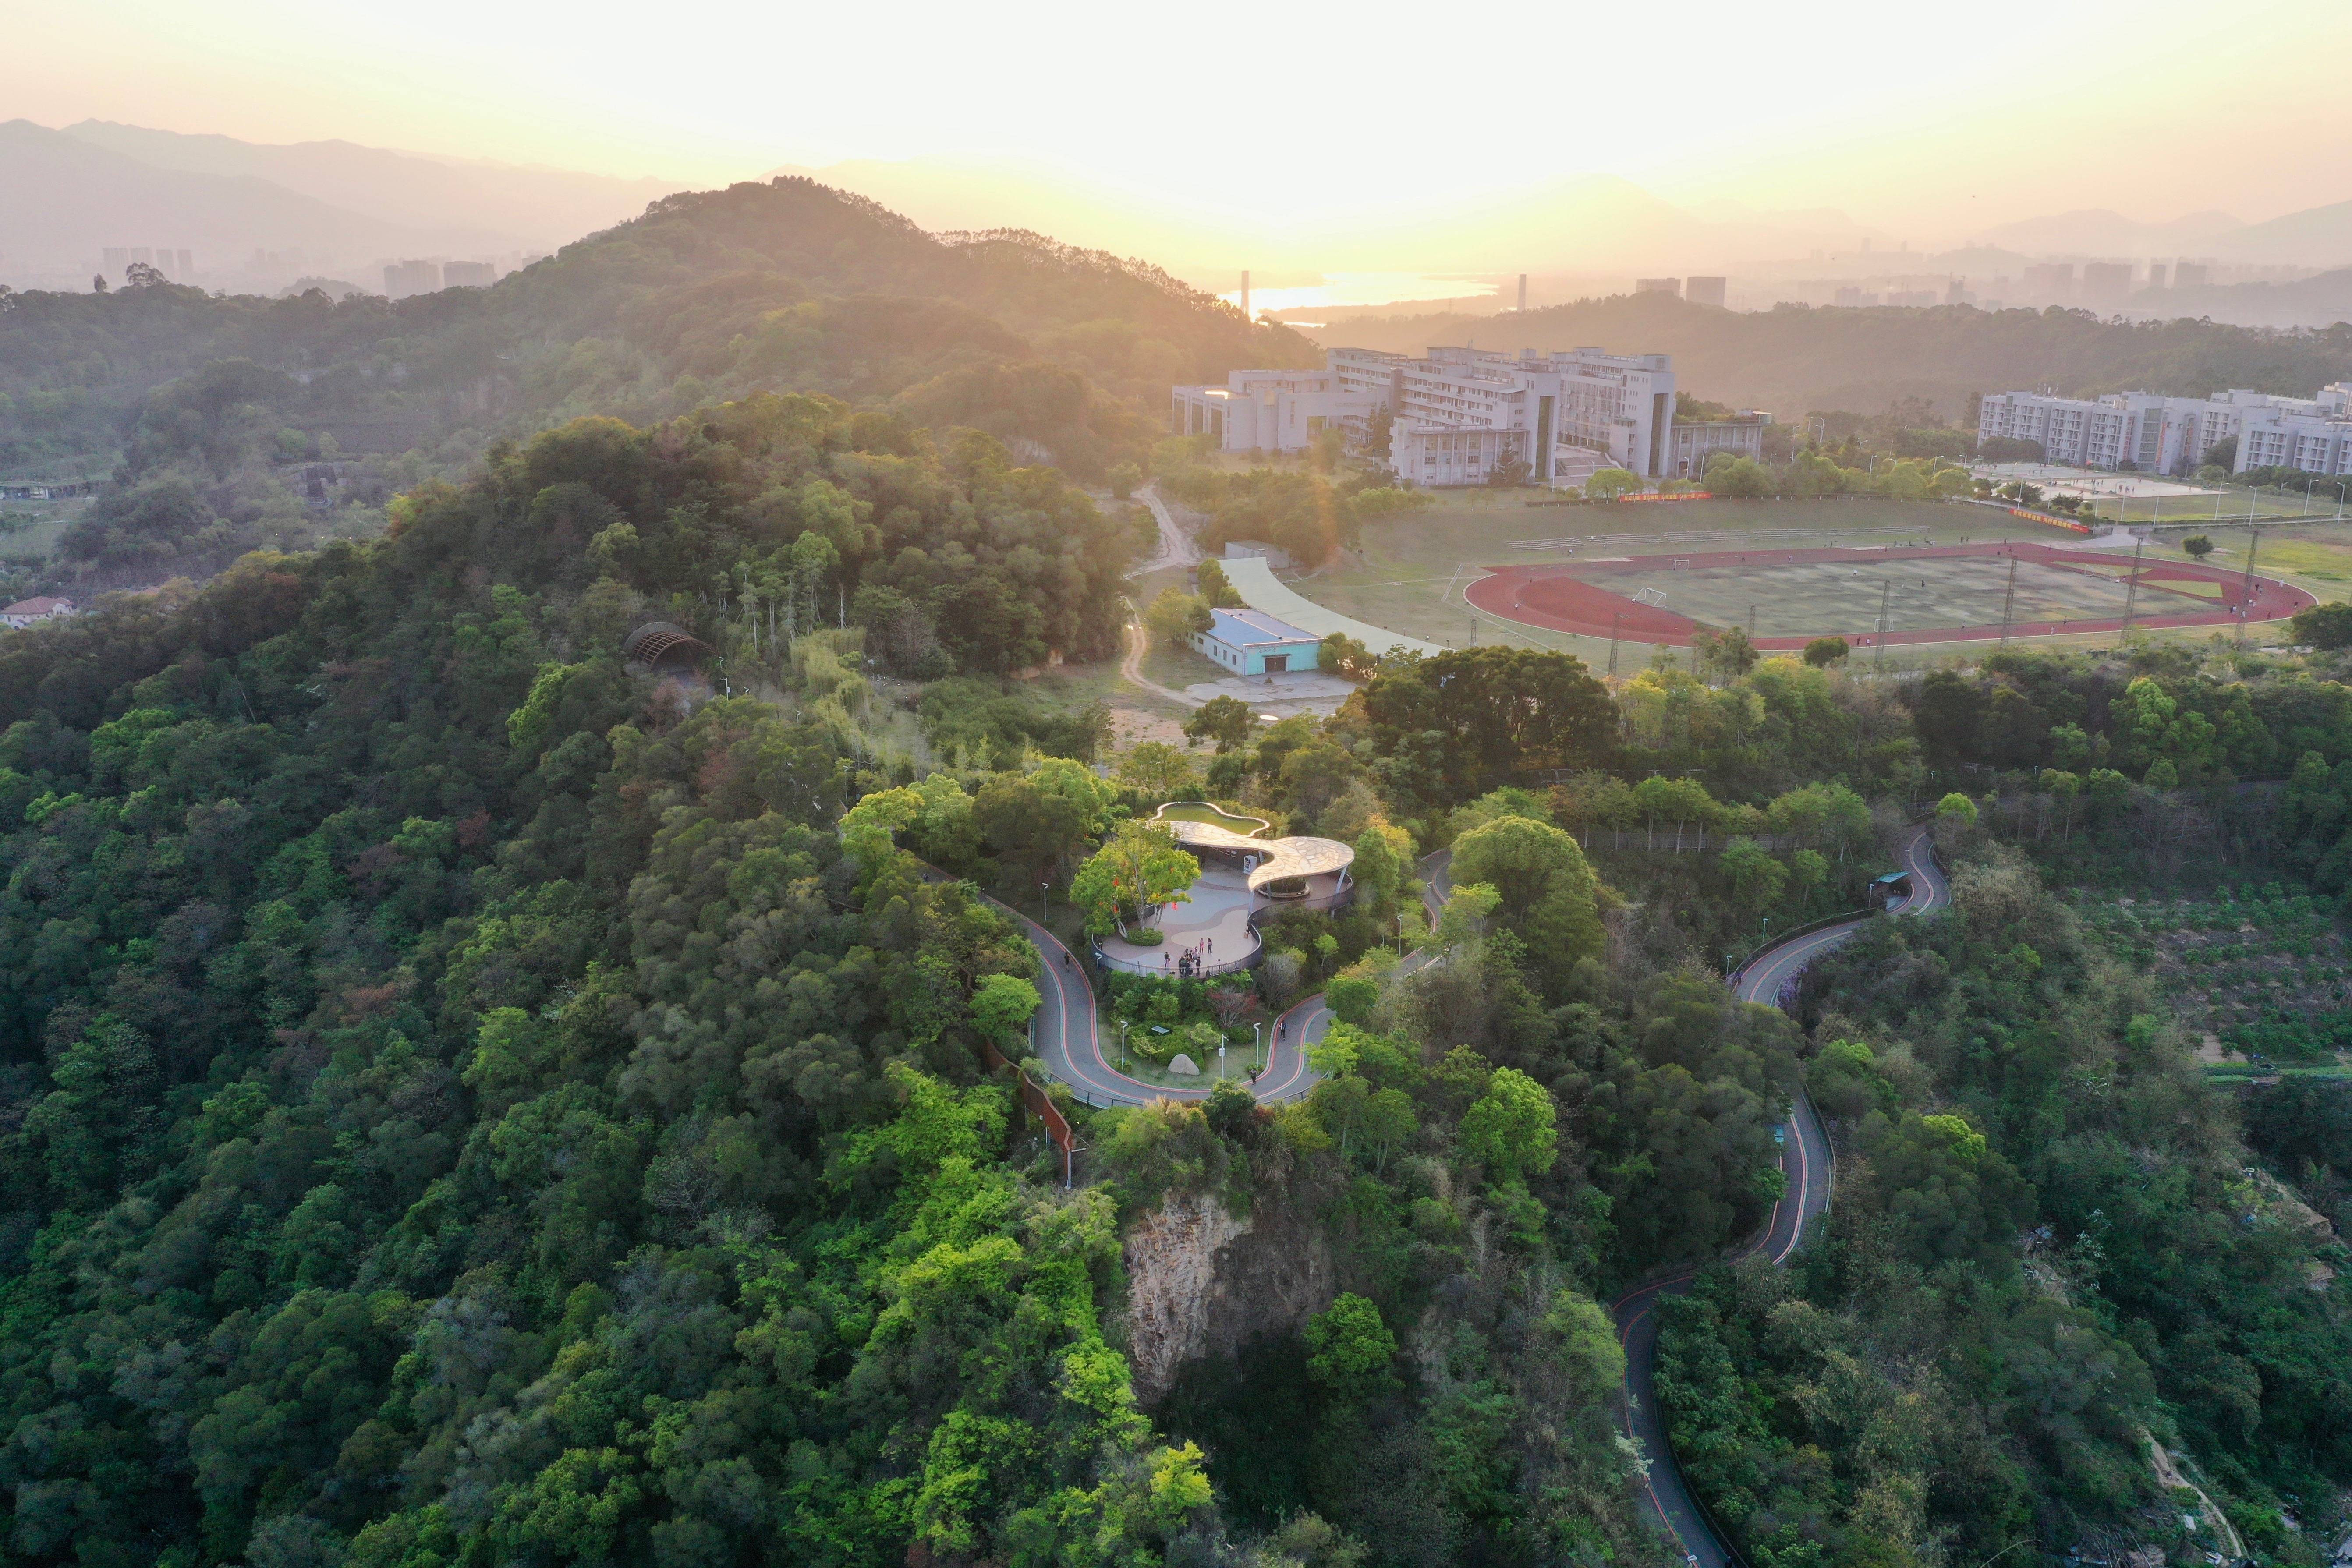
1927,126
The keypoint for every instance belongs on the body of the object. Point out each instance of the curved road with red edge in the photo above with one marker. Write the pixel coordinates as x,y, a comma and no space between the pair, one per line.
1071,1043
1806,1164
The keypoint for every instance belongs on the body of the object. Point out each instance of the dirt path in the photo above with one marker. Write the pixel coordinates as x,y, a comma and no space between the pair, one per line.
2169,1475
1132,666
1176,546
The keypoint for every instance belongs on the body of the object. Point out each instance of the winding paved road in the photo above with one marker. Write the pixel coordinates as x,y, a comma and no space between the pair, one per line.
1071,1043
1807,1162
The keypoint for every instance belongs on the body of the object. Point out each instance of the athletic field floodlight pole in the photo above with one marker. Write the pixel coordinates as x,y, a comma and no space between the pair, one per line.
2008,601
2131,584
2246,591
1878,657
1614,622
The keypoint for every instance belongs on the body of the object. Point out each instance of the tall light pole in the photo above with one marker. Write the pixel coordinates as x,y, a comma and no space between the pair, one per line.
1257,1041
2131,589
1123,1042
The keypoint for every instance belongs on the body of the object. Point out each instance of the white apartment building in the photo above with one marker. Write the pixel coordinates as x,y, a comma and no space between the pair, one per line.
1696,440
1273,410
2173,435
1458,413
2311,435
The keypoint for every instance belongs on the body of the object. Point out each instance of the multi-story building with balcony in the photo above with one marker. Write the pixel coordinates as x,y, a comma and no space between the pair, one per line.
1459,413
2155,433
1272,410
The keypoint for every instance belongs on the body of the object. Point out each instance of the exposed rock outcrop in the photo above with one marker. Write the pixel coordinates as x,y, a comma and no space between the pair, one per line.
1194,1271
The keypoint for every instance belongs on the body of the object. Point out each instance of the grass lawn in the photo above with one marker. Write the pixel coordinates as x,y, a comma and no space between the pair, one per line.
2209,512
33,526
1200,811
1235,1063
1180,666
2316,556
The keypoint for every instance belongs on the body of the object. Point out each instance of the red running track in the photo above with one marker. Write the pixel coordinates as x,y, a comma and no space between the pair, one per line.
1565,599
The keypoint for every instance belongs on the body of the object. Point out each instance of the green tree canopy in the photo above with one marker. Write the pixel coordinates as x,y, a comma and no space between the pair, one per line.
1139,866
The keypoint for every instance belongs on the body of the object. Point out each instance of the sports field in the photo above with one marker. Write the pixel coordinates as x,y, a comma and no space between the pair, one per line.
1951,592
1413,574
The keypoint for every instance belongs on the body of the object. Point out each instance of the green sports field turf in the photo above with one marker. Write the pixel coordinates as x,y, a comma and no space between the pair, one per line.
1819,599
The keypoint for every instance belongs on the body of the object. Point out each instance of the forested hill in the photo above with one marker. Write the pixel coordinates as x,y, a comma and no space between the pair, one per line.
789,285
1792,360
385,965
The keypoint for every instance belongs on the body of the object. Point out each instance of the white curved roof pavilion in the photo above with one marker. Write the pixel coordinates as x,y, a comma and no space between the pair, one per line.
1281,858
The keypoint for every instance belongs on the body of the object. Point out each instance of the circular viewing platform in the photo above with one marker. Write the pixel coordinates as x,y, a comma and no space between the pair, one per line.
1242,877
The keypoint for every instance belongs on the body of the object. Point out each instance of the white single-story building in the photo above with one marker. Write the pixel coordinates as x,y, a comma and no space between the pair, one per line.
1251,642
25,612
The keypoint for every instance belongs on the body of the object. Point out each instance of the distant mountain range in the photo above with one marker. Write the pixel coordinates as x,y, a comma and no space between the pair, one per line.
2316,237
1583,223
339,208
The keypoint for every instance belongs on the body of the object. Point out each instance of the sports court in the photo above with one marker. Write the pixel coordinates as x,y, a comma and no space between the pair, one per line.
1927,593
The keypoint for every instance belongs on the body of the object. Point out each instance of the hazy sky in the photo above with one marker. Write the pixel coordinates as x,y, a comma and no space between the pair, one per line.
1927,119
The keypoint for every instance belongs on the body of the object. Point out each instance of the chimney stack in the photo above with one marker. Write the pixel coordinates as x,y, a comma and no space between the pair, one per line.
1523,293
1246,315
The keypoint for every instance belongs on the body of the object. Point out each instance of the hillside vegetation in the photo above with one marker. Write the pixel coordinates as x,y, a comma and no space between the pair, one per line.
212,414
468,1099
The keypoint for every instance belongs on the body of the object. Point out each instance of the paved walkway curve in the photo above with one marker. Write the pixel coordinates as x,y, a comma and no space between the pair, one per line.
1308,1020
1069,1039
1807,1162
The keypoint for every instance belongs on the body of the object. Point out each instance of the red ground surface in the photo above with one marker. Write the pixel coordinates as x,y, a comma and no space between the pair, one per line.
1568,599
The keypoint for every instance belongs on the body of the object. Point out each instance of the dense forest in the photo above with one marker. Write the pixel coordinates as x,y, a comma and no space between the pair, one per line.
469,1101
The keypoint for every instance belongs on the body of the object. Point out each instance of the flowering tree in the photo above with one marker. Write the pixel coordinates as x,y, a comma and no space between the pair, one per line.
1141,866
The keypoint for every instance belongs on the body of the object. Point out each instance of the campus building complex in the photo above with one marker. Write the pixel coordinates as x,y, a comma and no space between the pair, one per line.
1271,410
2160,434
1458,415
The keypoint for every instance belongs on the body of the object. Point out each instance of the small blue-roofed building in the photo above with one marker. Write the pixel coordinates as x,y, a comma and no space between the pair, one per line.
1251,642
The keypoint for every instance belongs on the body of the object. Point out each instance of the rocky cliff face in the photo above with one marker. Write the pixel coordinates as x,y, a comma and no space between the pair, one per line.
1198,1276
